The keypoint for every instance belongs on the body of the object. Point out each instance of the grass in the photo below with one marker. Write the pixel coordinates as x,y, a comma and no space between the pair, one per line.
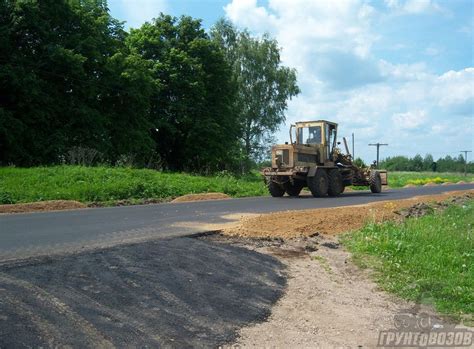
400,179
428,259
107,184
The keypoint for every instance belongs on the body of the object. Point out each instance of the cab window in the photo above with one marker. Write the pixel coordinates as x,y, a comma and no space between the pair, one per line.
309,135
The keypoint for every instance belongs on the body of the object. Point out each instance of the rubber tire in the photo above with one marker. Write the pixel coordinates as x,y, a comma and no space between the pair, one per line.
293,189
276,190
336,187
319,184
375,182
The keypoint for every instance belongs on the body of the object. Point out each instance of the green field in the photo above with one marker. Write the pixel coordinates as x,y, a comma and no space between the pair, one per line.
400,179
428,260
108,184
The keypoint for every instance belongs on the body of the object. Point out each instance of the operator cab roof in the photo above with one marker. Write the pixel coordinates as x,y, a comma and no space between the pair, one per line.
309,123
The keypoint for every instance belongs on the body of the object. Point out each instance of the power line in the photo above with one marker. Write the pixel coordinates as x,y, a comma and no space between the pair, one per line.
378,145
465,160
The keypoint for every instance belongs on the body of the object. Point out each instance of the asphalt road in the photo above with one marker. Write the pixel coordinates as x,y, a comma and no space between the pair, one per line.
37,233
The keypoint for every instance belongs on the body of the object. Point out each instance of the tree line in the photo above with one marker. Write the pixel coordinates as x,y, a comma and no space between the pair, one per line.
76,86
427,163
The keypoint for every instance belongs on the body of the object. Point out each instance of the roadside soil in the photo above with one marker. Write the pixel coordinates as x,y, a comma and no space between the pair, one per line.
329,302
330,221
51,205
58,205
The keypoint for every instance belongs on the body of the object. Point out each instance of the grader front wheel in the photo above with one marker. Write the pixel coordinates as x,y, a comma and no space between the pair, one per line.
336,187
319,183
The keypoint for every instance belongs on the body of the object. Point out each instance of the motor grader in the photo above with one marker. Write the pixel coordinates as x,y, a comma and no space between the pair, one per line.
312,159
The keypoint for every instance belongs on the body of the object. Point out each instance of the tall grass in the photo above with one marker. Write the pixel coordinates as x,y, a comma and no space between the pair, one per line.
428,259
107,184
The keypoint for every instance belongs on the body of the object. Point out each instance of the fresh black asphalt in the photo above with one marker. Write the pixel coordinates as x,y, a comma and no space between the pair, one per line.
171,293
34,232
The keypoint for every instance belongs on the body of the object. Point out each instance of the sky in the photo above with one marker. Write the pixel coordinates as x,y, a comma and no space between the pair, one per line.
391,71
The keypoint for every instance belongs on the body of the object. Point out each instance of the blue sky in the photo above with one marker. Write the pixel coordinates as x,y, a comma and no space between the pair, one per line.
395,71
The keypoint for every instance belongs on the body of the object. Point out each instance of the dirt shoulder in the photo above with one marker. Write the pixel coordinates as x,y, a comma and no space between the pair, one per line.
51,205
328,302
59,205
331,221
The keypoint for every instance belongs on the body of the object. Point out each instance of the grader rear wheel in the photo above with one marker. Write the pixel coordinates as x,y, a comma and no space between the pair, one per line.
319,184
336,187
293,189
276,190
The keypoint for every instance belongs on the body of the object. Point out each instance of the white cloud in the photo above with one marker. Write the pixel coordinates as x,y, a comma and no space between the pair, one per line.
249,14
330,43
140,11
455,87
409,120
415,6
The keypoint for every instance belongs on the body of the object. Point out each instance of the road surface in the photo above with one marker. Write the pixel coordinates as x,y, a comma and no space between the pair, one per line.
23,235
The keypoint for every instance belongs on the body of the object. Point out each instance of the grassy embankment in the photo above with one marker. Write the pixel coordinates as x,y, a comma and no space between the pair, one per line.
107,184
428,259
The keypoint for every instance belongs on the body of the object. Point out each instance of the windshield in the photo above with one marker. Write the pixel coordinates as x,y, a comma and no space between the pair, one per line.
309,135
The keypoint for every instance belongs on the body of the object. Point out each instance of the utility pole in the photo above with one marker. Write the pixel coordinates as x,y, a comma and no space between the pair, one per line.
353,155
378,145
465,160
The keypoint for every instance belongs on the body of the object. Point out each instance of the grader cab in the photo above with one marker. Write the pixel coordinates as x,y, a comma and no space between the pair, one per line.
312,159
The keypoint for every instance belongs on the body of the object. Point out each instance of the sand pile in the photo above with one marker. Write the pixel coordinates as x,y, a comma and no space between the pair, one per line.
201,197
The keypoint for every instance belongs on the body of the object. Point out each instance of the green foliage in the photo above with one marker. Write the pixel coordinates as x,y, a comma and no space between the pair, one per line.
68,80
192,111
108,184
264,85
417,164
426,258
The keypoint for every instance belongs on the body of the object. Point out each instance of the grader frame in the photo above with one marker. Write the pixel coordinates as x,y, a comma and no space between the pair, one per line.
312,159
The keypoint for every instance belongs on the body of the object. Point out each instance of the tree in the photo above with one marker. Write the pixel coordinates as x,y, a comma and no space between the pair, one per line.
193,110
67,80
428,163
264,85
417,163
